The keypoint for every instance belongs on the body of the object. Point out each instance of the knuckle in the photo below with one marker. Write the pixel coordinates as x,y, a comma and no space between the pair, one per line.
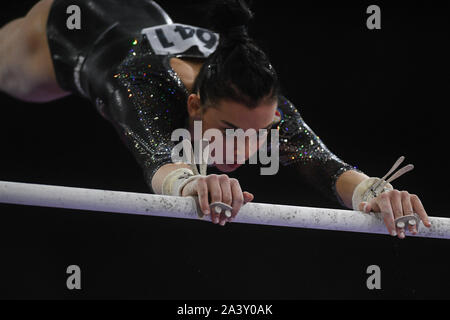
212,177
395,193
201,185
238,202
202,192
234,181
223,178
384,196
227,198
215,190
201,179
216,194
404,194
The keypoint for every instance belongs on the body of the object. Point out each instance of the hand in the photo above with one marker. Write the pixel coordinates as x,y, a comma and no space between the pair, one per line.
395,204
218,188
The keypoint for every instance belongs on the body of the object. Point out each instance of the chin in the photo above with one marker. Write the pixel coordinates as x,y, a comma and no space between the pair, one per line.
227,168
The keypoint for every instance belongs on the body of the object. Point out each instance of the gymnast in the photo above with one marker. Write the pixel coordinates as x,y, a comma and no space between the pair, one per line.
149,76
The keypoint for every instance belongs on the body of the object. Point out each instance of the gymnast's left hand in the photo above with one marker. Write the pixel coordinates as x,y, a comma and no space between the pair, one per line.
396,204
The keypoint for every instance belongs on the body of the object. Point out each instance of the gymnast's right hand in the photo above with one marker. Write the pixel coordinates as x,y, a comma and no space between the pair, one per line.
218,188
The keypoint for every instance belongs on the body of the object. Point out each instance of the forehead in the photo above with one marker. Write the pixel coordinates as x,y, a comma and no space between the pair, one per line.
237,113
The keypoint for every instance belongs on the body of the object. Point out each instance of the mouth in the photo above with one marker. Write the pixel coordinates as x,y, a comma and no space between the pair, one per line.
233,166
227,167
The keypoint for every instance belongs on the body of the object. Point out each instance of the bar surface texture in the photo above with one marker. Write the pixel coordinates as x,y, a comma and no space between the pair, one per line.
186,208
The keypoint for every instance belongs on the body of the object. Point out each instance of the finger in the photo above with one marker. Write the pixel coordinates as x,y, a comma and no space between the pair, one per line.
420,210
227,196
372,206
364,207
238,198
384,204
202,192
248,197
216,195
397,209
408,209
396,203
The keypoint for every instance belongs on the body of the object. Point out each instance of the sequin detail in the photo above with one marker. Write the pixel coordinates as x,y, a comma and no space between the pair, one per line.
302,148
158,100
153,104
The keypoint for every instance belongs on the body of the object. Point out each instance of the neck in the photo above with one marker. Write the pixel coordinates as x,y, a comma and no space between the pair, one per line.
187,70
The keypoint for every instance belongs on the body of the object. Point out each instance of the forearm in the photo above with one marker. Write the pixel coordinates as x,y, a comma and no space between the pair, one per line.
346,184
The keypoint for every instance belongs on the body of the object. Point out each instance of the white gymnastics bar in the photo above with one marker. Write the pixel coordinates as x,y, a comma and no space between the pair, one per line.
186,208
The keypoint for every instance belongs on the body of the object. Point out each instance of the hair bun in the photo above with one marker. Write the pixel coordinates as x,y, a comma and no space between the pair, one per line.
230,18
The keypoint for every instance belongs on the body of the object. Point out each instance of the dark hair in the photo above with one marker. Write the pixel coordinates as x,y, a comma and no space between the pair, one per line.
238,69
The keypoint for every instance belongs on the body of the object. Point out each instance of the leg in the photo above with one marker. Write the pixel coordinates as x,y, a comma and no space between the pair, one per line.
26,68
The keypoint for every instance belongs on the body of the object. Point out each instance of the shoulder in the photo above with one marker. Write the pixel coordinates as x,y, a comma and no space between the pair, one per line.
187,70
286,112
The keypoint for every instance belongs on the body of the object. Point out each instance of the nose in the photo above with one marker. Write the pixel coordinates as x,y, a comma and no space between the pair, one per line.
247,149
242,151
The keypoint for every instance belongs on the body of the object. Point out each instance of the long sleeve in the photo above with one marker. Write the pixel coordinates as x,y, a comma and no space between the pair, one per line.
301,148
145,102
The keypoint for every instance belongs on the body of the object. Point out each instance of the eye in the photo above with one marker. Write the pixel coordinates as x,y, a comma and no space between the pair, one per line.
229,133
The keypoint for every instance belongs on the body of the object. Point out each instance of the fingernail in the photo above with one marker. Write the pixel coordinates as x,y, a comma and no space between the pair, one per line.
222,223
216,220
393,233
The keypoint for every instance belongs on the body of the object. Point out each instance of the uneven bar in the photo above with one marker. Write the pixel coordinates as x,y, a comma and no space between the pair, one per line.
186,208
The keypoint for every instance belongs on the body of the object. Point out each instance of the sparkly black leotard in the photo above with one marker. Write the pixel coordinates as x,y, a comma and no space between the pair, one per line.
128,77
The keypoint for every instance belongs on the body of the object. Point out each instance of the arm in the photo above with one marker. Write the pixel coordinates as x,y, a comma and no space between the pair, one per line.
137,102
346,184
316,164
26,68
161,174
325,171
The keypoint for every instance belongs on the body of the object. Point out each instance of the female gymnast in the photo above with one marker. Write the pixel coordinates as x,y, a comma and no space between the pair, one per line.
149,77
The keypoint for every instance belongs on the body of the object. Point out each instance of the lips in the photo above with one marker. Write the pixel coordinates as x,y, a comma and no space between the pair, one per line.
233,166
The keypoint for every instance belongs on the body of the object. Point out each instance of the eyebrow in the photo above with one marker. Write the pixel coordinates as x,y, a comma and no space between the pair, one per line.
235,127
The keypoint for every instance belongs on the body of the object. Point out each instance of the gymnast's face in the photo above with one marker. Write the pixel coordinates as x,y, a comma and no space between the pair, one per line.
233,115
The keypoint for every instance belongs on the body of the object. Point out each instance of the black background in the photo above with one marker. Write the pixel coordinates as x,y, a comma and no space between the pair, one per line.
371,95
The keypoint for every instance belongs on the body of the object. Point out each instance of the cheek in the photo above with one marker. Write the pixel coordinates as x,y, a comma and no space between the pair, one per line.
238,147
253,147
247,148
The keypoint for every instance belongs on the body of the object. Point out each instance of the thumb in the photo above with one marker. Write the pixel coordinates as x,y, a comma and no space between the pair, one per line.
362,206
369,206
248,197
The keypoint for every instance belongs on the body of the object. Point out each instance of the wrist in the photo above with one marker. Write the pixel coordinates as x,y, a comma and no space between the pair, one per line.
175,181
369,189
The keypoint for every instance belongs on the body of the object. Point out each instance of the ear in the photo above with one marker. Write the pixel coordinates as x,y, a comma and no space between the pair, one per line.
194,106
277,118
